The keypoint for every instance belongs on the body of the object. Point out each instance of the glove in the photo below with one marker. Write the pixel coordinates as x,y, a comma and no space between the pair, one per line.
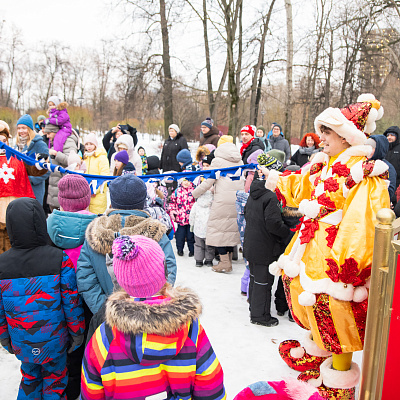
76,341
42,156
6,343
46,121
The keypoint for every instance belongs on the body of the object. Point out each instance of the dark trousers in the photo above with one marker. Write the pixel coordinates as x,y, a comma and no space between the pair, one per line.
280,298
224,250
260,286
182,235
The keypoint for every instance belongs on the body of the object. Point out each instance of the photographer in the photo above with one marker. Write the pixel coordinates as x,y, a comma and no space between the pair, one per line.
113,134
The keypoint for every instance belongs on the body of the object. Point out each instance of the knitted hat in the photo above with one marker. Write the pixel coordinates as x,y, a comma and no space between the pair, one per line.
90,138
225,139
26,120
252,158
51,128
209,146
278,154
128,192
73,193
74,160
249,129
175,128
207,124
354,122
184,157
55,99
122,156
4,129
261,128
138,264
40,118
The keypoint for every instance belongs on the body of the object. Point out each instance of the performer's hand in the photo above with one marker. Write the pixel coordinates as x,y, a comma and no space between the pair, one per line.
264,171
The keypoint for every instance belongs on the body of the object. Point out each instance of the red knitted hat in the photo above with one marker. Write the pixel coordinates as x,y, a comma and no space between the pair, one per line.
138,265
249,129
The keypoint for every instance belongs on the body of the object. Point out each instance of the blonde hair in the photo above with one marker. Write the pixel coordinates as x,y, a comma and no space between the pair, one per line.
31,135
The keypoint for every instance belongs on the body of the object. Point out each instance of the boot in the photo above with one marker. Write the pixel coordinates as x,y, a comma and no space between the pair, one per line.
338,385
224,265
302,358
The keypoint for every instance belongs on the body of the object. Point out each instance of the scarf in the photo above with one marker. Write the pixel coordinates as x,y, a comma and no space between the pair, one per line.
307,150
89,153
22,143
245,146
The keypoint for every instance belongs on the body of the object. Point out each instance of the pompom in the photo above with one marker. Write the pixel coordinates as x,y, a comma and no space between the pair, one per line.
307,299
311,209
292,269
373,115
360,294
297,352
362,98
274,269
380,113
124,248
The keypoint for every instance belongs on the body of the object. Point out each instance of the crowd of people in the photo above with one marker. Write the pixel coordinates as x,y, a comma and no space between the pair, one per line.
92,311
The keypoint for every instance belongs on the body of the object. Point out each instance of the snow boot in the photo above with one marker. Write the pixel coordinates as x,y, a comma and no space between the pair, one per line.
224,265
302,358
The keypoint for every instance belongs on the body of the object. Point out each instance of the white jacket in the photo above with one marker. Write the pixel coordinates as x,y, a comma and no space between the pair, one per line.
199,214
134,157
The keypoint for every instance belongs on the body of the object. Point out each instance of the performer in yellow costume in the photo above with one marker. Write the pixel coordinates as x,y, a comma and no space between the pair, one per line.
327,266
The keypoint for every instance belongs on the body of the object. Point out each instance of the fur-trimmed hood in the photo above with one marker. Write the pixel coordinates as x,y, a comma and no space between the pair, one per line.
169,319
102,231
62,106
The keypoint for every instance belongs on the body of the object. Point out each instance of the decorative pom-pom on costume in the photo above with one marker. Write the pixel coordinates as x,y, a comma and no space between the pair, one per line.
307,299
274,269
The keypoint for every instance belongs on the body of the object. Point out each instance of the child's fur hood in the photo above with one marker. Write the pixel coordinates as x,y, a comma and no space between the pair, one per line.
102,231
62,106
133,317
201,152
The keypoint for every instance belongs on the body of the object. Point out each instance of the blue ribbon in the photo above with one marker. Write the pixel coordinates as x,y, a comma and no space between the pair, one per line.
30,159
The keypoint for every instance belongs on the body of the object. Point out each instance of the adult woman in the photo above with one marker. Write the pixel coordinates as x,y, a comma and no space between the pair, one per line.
309,145
14,183
222,229
125,142
28,141
71,145
210,133
250,144
172,146
260,133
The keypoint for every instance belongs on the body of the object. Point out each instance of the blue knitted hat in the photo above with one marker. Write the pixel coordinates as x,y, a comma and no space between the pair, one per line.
128,192
184,157
207,123
26,120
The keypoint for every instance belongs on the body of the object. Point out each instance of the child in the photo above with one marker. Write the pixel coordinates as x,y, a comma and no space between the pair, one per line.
58,115
41,314
122,164
184,159
262,245
198,220
67,229
75,163
153,164
152,339
142,154
97,164
179,207
125,142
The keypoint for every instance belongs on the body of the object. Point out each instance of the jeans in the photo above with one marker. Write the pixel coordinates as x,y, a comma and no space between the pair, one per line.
182,235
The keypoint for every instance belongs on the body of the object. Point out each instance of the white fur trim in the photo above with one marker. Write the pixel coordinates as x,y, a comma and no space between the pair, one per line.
360,294
282,261
297,352
319,189
334,119
334,218
310,208
357,172
302,206
314,382
361,150
379,168
299,390
307,299
320,157
368,283
364,97
272,180
380,113
339,379
292,269
311,347
305,168
345,190
274,269
338,290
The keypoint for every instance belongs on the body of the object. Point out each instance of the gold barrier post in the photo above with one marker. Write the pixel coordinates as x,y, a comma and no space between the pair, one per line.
377,325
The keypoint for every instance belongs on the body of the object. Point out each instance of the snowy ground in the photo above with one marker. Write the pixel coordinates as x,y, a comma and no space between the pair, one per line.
248,353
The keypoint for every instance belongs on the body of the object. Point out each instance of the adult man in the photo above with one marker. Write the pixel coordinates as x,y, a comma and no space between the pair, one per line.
278,142
210,133
393,156
326,267
114,133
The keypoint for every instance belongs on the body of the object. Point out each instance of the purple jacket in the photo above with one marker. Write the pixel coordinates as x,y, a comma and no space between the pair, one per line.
61,119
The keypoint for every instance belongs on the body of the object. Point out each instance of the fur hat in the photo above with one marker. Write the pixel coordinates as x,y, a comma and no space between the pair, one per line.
138,264
54,99
225,139
128,192
91,138
73,193
26,120
249,129
174,127
354,122
201,152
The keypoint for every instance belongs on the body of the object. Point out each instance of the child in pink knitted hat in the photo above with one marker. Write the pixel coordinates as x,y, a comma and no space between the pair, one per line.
152,339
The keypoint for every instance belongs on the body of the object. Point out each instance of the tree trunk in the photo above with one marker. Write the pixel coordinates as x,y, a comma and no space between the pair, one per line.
167,79
208,62
289,68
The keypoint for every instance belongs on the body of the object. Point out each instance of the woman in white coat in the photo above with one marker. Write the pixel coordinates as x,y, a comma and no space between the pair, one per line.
125,142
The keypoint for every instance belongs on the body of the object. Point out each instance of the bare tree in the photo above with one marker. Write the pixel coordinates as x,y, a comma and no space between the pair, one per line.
289,67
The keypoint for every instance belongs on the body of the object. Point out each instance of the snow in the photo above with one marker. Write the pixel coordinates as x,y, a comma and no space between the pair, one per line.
248,353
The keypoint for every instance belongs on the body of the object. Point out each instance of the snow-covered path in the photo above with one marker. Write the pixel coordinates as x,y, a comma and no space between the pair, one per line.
248,353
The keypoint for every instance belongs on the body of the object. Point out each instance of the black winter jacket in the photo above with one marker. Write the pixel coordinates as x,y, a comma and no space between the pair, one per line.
255,145
393,155
109,139
170,149
265,231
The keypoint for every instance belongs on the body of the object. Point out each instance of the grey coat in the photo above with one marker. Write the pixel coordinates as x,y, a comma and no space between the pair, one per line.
280,143
71,145
222,228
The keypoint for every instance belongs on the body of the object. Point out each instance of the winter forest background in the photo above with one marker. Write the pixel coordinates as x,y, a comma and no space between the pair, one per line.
238,61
